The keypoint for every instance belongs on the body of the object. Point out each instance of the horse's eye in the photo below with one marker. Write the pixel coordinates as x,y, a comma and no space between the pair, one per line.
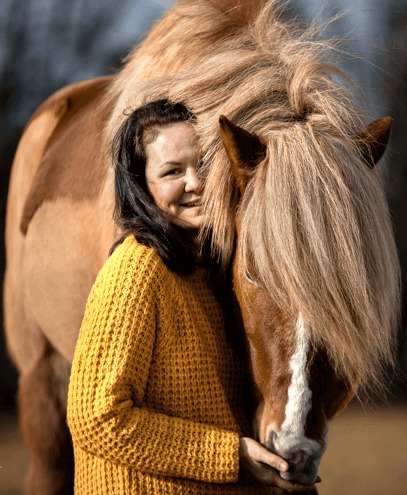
250,278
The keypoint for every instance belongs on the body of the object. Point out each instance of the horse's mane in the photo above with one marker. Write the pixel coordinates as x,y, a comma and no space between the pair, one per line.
314,224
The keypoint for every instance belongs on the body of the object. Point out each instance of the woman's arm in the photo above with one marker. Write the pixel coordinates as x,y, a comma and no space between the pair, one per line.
110,373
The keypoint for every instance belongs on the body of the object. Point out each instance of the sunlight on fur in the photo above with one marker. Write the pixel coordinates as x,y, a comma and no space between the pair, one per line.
315,223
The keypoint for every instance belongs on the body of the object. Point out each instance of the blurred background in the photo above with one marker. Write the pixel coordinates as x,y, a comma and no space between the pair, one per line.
47,44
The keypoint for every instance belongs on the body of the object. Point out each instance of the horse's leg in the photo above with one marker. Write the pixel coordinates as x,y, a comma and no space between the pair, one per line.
42,391
42,406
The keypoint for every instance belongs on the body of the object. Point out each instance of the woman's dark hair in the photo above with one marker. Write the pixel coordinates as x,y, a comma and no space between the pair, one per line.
135,209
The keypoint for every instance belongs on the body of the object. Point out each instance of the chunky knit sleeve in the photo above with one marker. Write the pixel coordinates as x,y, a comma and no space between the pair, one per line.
110,373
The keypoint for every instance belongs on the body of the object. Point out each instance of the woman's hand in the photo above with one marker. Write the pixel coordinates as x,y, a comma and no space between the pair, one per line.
263,467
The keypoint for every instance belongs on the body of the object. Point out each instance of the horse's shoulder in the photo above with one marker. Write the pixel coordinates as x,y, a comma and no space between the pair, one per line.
64,130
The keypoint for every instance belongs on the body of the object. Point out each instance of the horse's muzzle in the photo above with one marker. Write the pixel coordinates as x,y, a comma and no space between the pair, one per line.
303,460
302,469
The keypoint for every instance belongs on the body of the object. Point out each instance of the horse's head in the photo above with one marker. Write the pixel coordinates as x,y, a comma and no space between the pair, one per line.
298,384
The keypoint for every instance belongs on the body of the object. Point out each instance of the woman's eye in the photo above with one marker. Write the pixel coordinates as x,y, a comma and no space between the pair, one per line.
174,171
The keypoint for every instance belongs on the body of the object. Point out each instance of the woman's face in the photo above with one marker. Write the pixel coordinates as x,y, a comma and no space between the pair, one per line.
172,160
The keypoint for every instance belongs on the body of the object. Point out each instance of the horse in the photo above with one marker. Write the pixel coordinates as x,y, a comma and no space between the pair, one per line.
292,197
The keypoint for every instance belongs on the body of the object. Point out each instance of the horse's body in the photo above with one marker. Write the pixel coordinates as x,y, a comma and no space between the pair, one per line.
306,354
51,186
53,257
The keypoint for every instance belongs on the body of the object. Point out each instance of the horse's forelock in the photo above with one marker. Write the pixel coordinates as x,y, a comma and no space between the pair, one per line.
315,225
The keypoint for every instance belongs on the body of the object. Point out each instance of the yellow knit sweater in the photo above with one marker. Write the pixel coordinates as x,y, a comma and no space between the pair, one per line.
154,397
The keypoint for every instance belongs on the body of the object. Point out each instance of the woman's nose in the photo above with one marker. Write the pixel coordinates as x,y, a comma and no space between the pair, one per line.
192,183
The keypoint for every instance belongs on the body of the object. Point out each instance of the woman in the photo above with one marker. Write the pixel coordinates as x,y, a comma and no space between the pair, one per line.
155,393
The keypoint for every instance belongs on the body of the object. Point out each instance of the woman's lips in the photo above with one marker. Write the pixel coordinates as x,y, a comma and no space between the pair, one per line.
191,204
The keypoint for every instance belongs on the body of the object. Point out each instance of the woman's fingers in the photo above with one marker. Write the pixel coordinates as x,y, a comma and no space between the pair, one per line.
258,453
267,475
262,466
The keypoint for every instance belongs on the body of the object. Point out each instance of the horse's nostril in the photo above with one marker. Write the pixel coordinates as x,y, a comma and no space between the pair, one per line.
272,440
271,444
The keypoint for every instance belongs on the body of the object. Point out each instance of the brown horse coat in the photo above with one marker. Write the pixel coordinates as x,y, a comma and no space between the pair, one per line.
51,176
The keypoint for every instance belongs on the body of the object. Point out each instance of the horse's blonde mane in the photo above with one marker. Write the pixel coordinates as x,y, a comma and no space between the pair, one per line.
314,219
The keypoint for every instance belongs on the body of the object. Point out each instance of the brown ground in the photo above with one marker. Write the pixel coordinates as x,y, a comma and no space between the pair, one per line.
366,455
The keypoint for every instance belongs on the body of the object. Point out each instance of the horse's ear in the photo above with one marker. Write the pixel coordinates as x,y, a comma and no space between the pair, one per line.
373,140
244,151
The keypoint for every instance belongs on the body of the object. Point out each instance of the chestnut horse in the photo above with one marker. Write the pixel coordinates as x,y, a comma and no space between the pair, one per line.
291,196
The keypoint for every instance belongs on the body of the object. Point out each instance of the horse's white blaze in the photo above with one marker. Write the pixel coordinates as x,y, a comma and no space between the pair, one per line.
291,437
